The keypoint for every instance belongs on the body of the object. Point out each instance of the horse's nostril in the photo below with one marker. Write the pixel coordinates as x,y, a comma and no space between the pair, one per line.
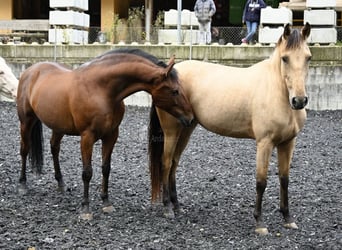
294,101
299,102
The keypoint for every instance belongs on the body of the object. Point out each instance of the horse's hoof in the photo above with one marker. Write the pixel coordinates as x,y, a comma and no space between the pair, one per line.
61,189
86,216
169,214
22,190
291,225
261,230
179,210
108,209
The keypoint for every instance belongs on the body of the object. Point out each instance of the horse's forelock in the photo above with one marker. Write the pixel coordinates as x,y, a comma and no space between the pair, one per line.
293,41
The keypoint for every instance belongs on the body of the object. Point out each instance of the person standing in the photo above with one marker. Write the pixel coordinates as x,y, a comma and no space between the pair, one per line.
251,16
204,10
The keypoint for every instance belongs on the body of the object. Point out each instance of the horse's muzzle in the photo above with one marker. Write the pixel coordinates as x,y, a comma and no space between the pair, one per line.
186,122
299,102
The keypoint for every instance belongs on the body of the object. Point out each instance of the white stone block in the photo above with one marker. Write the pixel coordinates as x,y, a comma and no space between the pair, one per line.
322,35
271,15
86,20
193,19
171,36
270,35
189,18
77,4
320,17
320,3
170,17
69,17
68,36
141,98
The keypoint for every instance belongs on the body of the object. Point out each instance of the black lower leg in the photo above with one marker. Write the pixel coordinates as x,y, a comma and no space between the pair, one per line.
284,205
260,188
86,176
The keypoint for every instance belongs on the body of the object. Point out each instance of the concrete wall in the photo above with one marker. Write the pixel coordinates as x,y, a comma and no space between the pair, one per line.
324,84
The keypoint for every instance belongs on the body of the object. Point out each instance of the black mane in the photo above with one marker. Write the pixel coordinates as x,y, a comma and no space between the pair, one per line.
143,54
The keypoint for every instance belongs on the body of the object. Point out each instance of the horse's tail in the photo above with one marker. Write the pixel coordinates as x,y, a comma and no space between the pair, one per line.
36,149
156,148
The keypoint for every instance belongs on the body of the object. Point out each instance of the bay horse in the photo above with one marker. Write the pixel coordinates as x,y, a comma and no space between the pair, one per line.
88,102
8,81
264,102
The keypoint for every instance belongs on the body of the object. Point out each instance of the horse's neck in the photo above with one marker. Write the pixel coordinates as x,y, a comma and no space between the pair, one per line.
274,65
125,79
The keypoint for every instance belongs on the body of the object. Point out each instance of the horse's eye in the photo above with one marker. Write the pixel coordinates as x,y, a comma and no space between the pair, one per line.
1,72
308,59
175,92
285,59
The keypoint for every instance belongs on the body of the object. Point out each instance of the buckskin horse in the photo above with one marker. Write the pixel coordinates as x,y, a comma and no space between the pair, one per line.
264,102
88,102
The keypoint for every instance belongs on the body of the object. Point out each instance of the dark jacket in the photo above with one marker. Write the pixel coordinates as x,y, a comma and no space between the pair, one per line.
252,11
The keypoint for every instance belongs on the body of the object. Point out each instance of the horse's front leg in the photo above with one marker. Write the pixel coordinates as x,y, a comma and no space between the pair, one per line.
285,151
107,149
87,142
181,145
55,143
264,151
168,174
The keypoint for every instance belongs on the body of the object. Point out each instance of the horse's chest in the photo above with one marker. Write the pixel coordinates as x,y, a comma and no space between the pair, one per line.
286,130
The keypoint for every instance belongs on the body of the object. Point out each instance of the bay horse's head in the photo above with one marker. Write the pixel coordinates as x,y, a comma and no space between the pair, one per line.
294,59
167,94
8,82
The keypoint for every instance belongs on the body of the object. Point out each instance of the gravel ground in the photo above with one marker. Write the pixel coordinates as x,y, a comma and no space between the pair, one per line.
216,187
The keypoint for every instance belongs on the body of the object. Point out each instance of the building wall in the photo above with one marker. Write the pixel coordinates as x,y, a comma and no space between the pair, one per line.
6,10
109,8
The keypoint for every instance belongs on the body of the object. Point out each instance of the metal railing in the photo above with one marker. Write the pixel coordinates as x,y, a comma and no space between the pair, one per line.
220,35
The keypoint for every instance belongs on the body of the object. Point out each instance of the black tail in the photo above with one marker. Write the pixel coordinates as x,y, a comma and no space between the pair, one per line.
36,149
156,148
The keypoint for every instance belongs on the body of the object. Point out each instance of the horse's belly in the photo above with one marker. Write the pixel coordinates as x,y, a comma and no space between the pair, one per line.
226,123
55,115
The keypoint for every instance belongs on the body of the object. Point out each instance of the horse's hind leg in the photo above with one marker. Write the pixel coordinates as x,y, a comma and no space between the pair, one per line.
55,143
285,151
107,149
264,151
26,126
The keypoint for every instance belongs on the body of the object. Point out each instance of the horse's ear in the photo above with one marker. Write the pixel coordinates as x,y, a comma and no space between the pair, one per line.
306,31
170,65
287,31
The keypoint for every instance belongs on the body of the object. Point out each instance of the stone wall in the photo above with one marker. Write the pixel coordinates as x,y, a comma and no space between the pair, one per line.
324,83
